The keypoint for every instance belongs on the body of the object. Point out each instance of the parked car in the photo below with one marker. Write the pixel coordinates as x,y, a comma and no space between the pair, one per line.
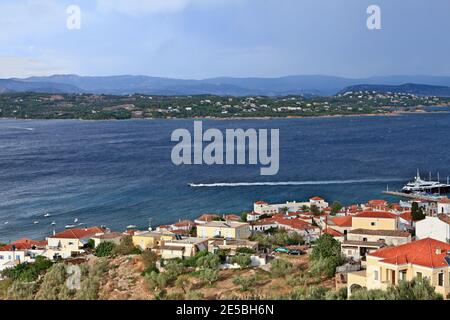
282,250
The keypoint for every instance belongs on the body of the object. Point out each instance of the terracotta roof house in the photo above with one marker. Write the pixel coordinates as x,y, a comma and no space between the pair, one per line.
207,217
20,251
418,259
71,242
376,220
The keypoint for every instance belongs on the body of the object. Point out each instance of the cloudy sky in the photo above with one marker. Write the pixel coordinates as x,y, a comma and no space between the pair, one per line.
208,38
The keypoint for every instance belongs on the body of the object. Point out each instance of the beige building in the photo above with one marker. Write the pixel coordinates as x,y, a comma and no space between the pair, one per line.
113,237
361,242
385,267
222,229
182,248
152,239
375,220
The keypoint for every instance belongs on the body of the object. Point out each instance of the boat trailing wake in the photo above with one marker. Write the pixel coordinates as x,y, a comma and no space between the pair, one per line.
289,183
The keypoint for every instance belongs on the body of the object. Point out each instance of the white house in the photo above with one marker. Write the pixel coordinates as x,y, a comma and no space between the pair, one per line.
20,251
70,242
437,228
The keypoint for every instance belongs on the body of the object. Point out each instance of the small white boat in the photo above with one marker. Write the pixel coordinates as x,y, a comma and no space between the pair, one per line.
70,226
53,223
75,220
47,215
6,222
35,222
131,226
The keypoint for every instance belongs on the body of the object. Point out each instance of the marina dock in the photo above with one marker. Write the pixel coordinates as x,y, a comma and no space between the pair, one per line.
412,196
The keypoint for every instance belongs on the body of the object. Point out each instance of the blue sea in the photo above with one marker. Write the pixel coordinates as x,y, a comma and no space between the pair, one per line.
117,173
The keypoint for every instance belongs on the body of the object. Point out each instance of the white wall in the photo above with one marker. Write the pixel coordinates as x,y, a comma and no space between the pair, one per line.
432,227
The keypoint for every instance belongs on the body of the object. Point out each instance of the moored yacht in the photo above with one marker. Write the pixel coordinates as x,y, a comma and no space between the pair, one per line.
420,185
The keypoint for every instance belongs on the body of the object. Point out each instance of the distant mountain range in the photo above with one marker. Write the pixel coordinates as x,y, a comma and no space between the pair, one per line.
412,88
306,85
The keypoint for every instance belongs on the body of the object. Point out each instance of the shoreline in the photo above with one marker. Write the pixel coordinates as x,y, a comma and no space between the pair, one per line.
389,114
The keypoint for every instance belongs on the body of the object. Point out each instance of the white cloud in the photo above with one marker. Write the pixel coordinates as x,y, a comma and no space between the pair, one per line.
142,7
20,67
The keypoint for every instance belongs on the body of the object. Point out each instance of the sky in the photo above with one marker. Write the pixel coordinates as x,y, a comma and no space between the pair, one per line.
209,38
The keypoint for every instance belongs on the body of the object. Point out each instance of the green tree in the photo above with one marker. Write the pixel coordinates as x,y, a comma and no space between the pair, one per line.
416,289
210,260
326,247
105,249
314,210
326,256
244,216
417,212
336,206
184,283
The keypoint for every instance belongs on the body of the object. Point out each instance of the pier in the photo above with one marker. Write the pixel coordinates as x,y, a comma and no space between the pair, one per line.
412,196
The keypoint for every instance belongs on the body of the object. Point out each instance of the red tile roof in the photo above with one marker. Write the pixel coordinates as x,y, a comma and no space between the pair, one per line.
207,217
444,200
426,252
445,218
24,244
407,215
376,214
184,223
78,233
333,232
260,202
378,202
316,199
345,221
233,217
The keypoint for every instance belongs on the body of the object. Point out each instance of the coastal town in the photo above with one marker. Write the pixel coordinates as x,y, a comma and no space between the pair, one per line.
139,106
292,250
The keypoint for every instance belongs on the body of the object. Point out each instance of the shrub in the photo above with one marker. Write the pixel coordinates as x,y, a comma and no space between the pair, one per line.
149,258
245,282
22,291
210,261
209,275
105,249
28,272
280,267
243,260
340,294
245,250
126,247
52,283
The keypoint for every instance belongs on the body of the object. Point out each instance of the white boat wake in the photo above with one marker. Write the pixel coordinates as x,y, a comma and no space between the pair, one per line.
289,183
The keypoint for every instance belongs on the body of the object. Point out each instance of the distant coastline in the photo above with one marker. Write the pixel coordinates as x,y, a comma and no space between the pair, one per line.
387,114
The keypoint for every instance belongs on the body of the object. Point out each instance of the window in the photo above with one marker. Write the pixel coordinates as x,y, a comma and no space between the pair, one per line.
441,279
419,275
373,223
403,275
375,275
